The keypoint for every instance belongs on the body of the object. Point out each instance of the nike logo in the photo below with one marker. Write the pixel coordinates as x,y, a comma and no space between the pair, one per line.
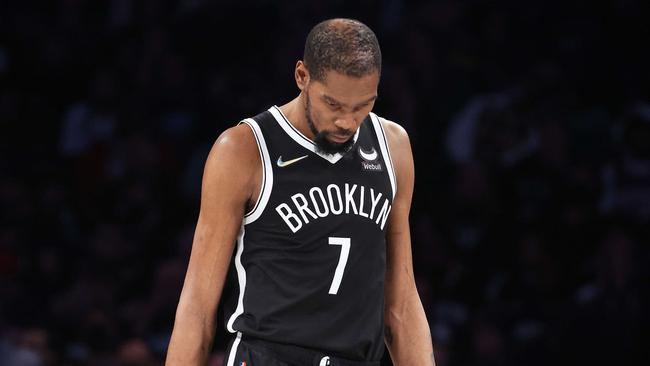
282,163
372,155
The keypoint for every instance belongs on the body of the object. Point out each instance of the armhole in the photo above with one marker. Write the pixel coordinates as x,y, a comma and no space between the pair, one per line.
267,173
385,151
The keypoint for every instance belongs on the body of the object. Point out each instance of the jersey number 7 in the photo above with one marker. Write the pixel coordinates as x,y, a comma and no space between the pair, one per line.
343,260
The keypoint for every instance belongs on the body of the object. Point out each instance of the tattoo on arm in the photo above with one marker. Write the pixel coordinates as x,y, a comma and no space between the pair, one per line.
388,335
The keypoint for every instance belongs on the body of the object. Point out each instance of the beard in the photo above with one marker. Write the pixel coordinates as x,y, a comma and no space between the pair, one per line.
323,145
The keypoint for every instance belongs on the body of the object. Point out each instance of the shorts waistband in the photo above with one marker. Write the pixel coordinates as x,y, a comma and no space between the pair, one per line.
303,356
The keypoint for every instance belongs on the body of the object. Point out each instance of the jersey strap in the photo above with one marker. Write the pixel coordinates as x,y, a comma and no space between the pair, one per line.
267,173
385,151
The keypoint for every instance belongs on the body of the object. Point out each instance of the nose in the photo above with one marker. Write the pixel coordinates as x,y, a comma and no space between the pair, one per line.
346,122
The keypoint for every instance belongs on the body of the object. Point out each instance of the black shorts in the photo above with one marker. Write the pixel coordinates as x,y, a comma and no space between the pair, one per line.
245,351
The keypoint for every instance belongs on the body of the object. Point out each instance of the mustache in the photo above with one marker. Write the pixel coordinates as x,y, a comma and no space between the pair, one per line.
342,132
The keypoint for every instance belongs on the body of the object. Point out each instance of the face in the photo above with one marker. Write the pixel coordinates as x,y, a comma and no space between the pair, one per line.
336,107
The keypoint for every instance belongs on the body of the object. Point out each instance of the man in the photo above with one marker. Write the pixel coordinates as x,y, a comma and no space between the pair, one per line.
316,194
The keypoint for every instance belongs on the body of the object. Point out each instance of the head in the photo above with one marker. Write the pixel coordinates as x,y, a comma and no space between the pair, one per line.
338,78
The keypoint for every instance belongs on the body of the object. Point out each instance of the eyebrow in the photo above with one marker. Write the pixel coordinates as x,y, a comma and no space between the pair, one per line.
330,99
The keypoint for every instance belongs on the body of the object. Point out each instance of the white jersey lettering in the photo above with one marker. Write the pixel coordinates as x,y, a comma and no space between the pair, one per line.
287,215
383,214
318,206
325,210
330,188
375,201
349,199
361,201
302,207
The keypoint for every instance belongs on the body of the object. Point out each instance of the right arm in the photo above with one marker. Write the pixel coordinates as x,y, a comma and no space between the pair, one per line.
229,185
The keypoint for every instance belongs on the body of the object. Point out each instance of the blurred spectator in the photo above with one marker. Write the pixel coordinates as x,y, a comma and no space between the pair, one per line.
626,178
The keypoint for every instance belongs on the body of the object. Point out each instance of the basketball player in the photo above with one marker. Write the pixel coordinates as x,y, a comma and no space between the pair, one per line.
310,201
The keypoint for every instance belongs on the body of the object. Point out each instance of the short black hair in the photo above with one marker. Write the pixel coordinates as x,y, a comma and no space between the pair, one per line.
343,45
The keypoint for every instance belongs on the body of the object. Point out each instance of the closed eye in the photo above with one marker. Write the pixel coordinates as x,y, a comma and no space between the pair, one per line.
333,105
360,107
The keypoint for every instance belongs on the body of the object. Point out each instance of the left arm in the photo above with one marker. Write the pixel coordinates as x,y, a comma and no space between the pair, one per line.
407,332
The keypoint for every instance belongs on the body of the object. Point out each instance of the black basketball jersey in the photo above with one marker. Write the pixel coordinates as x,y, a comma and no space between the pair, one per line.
310,256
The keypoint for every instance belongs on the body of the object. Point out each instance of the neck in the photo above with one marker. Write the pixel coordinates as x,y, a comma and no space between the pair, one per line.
295,113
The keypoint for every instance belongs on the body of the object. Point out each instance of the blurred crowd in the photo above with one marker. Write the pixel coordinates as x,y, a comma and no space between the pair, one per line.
530,125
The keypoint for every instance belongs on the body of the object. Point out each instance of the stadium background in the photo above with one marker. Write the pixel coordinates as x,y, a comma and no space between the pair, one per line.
530,124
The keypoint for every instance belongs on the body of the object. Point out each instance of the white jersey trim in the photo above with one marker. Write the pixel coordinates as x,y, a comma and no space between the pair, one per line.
267,173
241,277
385,150
233,350
301,139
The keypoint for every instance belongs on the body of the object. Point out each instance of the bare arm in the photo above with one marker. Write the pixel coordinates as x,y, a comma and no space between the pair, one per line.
407,332
229,179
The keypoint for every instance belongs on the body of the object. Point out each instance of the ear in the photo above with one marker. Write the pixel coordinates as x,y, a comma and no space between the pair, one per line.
302,75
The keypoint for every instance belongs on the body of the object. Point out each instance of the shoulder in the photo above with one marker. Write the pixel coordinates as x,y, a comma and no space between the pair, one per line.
396,135
232,168
234,158
401,156
239,137
237,142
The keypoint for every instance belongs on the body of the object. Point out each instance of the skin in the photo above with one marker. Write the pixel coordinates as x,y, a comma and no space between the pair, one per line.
407,334
231,184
